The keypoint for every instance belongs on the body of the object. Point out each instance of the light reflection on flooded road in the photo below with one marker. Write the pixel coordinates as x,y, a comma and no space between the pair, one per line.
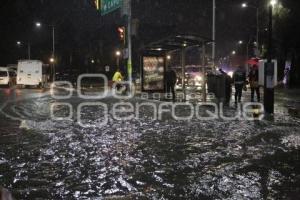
145,158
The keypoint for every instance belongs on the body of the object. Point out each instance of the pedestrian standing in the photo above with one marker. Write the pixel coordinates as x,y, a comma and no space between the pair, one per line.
253,80
171,79
228,88
239,79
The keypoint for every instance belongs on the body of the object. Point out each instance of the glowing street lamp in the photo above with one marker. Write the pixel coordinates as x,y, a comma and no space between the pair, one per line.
241,42
273,2
244,5
52,60
118,54
38,24
20,43
233,52
168,57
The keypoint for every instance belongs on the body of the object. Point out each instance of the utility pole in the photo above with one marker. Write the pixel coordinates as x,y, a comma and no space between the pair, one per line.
53,50
257,28
129,62
269,69
29,50
214,33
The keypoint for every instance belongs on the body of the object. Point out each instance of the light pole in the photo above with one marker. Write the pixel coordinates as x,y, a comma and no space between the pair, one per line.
118,54
19,43
269,66
129,42
245,5
38,25
214,33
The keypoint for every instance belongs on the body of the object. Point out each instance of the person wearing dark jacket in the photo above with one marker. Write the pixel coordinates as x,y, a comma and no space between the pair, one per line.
253,80
239,79
171,79
228,89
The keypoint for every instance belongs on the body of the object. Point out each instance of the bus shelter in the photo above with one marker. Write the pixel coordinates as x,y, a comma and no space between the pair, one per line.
154,61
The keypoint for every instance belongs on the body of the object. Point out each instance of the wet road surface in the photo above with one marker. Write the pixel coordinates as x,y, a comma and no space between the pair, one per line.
42,158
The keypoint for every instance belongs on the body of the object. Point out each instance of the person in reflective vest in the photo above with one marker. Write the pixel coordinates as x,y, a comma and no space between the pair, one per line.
117,78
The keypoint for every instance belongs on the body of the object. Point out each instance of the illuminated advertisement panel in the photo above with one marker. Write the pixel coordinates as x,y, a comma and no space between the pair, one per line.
153,73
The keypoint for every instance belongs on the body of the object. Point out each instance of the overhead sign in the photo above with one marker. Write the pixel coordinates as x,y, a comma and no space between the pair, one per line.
108,6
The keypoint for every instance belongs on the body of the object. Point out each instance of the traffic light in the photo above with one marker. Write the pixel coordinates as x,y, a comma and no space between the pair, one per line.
122,33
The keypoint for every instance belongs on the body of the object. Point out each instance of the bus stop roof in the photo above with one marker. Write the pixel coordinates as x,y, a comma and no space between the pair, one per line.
176,42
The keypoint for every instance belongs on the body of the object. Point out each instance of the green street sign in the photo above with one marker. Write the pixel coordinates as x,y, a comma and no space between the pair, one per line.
108,6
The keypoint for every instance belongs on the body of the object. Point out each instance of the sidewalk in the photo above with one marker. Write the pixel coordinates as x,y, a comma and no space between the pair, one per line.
289,99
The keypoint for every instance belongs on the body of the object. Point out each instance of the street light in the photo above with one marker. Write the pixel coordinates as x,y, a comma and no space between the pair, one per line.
233,52
273,2
241,42
118,54
245,5
38,25
19,43
52,60
168,57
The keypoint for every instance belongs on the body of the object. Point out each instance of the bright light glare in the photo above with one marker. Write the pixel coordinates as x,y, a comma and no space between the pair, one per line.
244,5
18,43
198,78
52,60
233,52
38,24
273,2
230,73
240,42
118,53
168,57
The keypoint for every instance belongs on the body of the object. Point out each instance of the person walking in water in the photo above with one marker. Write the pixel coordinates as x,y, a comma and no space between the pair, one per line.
171,79
253,80
239,80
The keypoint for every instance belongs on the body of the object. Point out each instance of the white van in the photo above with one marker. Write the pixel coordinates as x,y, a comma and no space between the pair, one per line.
30,73
7,77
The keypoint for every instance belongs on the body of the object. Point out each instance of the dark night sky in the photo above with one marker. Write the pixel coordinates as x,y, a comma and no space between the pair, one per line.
82,32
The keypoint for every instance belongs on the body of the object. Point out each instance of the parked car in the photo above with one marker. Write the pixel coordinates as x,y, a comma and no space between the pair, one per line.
7,77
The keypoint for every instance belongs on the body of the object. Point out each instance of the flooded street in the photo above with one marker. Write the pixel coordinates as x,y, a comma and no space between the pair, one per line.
43,158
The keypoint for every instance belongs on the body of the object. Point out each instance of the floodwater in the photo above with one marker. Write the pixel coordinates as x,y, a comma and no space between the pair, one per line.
42,158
